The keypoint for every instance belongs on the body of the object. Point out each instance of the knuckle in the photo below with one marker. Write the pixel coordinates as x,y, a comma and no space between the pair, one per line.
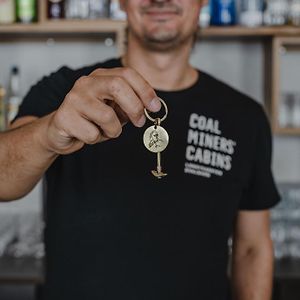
127,72
63,120
60,117
107,115
97,71
82,81
116,133
71,101
64,111
148,92
136,111
115,85
92,137
71,96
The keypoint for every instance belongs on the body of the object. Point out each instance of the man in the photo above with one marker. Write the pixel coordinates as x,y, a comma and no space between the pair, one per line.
114,231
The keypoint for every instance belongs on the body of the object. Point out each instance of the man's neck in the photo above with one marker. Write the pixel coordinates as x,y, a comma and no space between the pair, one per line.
168,71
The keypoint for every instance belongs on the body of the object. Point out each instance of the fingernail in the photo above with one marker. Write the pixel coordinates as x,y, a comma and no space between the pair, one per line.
141,122
155,105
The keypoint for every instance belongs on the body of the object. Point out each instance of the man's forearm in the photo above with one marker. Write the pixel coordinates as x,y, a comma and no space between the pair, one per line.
23,159
252,273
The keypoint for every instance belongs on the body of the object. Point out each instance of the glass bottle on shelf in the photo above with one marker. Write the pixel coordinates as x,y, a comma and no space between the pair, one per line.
276,12
56,9
99,9
69,9
286,109
284,112
26,11
294,12
296,111
223,12
7,11
2,108
116,12
289,110
251,13
13,96
77,9
204,17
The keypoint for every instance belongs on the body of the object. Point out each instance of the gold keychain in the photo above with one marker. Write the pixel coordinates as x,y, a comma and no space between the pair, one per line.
156,139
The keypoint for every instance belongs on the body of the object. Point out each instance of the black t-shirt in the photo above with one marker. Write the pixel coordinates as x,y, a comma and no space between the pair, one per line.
114,231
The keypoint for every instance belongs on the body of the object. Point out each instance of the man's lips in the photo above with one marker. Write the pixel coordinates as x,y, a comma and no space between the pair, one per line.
161,13
155,9
155,14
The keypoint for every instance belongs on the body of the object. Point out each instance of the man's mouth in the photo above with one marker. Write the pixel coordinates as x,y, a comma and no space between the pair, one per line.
161,12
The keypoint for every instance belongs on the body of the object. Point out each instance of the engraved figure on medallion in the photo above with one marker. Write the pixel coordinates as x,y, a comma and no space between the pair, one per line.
155,139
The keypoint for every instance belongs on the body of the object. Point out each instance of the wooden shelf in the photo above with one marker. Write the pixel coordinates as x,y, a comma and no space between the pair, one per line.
287,131
239,31
107,25
21,270
65,26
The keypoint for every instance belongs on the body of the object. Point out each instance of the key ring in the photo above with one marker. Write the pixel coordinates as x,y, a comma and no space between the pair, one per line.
163,118
156,139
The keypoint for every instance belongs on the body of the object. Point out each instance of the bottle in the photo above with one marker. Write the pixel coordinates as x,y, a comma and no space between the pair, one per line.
204,17
13,97
70,9
116,12
56,9
7,11
77,9
296,111
83,8
223,12
251,14
2,108
99,9
276,13
294,12
26,11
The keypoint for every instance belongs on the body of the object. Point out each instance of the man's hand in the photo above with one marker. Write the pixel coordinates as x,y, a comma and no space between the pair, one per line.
97,107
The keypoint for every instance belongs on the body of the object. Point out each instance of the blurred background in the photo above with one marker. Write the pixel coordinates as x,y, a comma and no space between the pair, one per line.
253,45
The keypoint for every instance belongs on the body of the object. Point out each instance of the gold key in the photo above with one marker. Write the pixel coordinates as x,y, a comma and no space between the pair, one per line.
156,140
158,173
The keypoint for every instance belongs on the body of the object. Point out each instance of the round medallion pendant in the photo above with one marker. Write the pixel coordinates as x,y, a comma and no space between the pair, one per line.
156,139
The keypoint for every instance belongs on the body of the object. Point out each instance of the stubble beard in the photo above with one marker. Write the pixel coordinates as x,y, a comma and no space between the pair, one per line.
161,41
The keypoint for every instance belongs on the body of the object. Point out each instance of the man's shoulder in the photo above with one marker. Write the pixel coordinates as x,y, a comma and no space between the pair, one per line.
107,64
62,80
74,74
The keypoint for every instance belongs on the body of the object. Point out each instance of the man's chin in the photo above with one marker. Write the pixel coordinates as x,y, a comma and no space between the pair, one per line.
161,42
161,35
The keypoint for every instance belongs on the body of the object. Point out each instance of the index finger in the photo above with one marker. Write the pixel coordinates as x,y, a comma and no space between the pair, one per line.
141,86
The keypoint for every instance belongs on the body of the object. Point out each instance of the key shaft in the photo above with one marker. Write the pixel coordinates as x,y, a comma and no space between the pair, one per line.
158,162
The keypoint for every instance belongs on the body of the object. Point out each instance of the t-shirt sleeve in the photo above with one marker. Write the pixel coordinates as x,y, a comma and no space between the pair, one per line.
261,192
47,94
